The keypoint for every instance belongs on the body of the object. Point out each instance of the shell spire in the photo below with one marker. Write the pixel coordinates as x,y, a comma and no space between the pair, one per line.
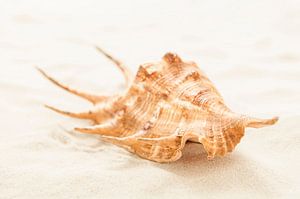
167,104
172,58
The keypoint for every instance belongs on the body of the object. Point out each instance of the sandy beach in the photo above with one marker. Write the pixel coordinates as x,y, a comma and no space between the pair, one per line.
249,49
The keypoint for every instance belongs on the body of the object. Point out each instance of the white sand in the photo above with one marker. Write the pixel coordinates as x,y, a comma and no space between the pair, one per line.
250,49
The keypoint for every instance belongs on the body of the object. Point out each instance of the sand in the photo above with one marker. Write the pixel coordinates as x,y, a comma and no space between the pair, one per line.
249,49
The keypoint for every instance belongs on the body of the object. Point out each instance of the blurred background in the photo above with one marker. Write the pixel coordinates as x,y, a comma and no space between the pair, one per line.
249,49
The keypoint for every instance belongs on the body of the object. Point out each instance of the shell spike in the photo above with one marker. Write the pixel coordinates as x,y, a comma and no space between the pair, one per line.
258,123
124,69
90,97
84,115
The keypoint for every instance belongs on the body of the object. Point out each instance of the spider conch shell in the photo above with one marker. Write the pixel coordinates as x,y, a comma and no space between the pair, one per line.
167,104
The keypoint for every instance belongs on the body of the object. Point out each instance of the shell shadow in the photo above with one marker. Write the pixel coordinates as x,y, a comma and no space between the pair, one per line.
230,173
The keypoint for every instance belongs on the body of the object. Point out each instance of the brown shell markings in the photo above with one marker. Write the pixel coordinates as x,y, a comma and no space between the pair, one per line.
167,104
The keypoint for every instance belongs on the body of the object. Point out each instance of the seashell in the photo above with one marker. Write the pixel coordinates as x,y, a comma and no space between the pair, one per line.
167,104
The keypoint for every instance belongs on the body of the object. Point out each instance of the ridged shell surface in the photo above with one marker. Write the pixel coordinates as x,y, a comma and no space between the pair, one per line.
165,105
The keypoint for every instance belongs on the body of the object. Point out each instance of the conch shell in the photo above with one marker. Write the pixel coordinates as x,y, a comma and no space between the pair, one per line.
167,104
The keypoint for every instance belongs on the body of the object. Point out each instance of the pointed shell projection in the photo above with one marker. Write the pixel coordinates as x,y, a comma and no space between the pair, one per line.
167,104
